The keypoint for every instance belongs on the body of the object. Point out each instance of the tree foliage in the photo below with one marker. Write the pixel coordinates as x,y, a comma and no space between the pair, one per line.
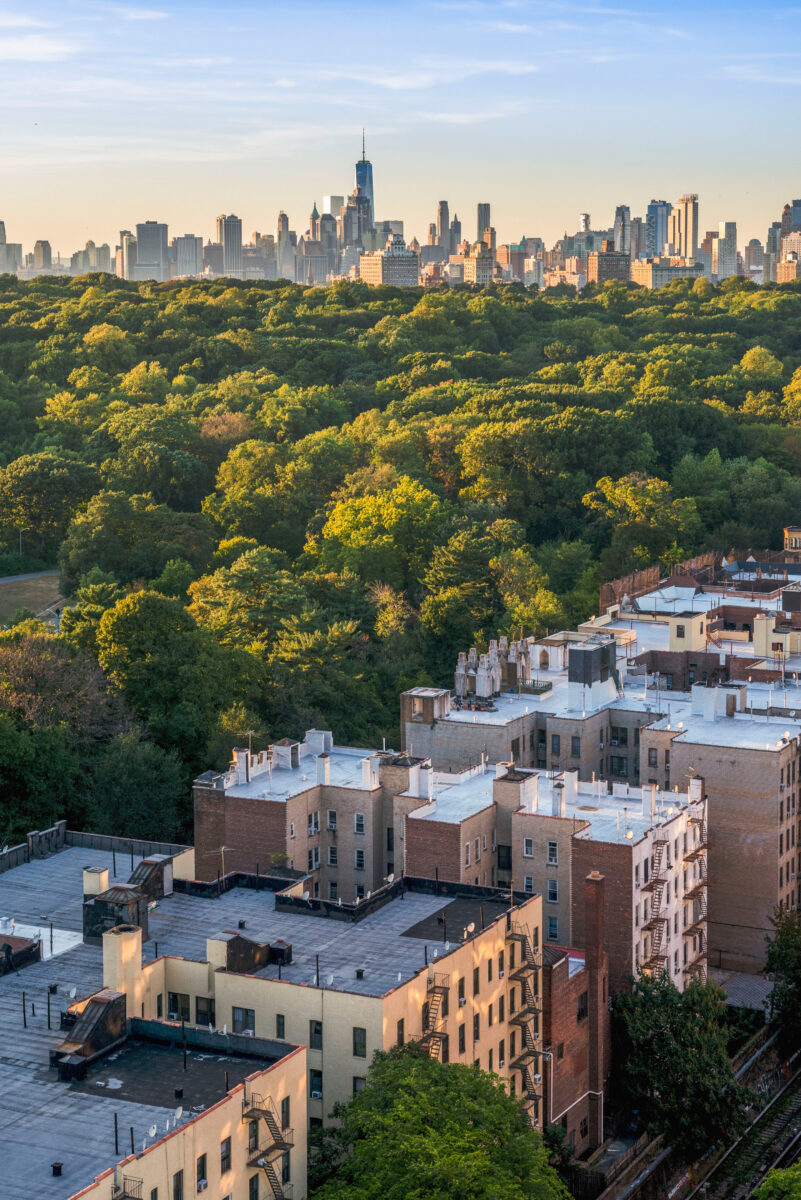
420,1129
671,1065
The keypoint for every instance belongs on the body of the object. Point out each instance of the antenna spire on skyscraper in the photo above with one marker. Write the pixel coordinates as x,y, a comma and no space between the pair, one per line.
364,154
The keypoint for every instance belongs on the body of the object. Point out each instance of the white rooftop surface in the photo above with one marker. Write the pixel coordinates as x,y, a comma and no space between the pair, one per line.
43,1120
455,799
282,782
678,600
740,731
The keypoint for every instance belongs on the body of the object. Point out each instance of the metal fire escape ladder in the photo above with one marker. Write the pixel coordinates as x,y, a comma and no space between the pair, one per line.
433,1034
697,895
525,972
261,1110
655,963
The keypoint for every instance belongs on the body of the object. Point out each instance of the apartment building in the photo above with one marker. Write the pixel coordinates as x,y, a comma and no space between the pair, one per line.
543,832
248,1144
328,811
455,967
557,703
752,776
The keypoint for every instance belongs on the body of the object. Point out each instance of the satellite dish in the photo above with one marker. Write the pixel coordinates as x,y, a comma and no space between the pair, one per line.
5,848
330,980
400,976
471,928
73,993
305,895
167,1126
152,1131
391,877
369,894
179,1112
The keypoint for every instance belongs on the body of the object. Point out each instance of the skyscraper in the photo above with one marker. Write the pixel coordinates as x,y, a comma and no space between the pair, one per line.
455,233
622,229
229,236
126,255
638,232
443,225
657,222
724,251
151,251
684,226
187,255
584,223
484,221
364,179
42,256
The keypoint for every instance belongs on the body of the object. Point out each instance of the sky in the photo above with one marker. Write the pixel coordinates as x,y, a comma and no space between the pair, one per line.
113,113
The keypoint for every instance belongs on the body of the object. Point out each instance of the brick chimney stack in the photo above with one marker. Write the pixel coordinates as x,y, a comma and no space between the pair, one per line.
598,998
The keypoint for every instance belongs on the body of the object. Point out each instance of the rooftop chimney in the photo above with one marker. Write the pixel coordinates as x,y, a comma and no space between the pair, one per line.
324,768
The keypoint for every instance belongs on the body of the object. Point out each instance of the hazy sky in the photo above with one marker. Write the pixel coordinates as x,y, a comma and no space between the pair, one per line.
115,113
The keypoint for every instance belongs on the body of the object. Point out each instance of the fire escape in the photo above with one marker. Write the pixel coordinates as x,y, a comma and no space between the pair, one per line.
261,1111
435,1010
125,1187
655,963
525,971
697,897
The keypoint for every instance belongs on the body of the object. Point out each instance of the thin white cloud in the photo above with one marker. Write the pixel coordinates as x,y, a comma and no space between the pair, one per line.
129,12
34,47
10,20
751,73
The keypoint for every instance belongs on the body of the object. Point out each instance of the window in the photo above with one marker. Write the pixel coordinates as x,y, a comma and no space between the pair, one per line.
475,981
553,854
556,744
583,1127
461,1039
159,1006
316,1084
489,1067
315,1035
501,1008
331,820
314,858
582,1010
476,1027
575,747
333,891
553,929
390,838
244,1019
291,829
515,749
358,860
400,1035
501,1053
253,1188
467,854
178,1186
253,1135
204,1010
332,856
560,1051
489,970
313,820
225,1155
358,822
679,631
154,1194
553,891
477,850
528,847
359,891
358,1083
280,1026
528,883
178,1006
285,1167
359,1042
285,1114
652,757
618,765
460,990
202,1175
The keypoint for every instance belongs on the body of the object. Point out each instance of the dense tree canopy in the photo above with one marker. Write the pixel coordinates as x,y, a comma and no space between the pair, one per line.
317,495
420,1128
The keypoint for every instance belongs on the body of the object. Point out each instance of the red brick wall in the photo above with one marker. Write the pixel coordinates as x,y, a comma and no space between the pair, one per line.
614,863
252,830
433,846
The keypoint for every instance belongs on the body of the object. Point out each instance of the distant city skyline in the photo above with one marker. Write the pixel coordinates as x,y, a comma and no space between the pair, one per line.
118,112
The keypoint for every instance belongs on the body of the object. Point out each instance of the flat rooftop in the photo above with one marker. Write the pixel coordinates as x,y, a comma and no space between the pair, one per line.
741,731
388,946
279,783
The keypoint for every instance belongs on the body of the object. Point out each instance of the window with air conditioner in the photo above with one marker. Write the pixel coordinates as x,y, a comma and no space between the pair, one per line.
332,819
528,847
553,854
243,1020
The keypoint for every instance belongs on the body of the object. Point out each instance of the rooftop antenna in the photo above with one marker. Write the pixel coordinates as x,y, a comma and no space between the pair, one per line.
364,155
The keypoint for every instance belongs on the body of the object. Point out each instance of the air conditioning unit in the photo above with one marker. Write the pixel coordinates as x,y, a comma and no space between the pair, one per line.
317,1095
501,974
538,1079
502,1063
202,1184
172,1016
462,1002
